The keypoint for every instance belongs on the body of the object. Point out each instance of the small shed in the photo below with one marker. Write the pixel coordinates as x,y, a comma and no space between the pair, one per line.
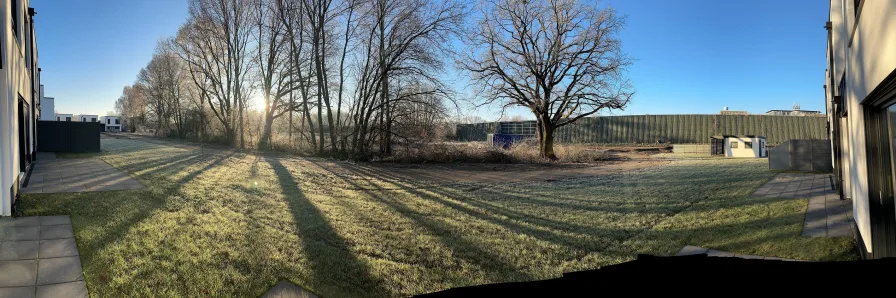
738,146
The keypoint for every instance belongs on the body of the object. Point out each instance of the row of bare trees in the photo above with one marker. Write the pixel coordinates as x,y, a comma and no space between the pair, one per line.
350,77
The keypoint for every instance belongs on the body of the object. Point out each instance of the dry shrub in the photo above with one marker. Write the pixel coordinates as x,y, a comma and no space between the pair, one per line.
482,152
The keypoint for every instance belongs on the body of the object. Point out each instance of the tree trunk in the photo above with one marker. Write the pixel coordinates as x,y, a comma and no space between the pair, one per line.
546,141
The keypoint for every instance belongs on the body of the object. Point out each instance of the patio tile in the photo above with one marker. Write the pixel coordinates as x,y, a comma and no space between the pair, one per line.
15,233
840,229
75,289
744,256
286,289
19,221
691,250
56,232
55,220
58,248
18,273
18,250
719,253
59,270
17,292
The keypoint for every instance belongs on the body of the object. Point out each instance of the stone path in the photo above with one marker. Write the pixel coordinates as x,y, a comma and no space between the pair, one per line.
696,250
59,175
286,289
827,215
39,258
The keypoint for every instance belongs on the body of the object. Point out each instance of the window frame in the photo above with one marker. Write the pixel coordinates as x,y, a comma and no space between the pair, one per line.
734,145
748,145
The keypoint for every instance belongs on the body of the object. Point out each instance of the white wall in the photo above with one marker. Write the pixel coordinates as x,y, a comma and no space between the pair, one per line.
47,106
15,81
61,117
742,150
864,51
86,118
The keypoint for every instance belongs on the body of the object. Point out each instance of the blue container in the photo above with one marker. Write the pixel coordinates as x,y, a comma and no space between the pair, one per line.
505,140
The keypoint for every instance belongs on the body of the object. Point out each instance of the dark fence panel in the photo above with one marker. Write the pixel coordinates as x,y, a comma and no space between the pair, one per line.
68,136
648,129
802,156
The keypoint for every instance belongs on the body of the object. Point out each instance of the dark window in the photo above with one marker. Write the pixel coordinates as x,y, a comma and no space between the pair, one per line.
57,118
108,121
748,145
92,119
14,11
841,89
734,144
68,118
117,121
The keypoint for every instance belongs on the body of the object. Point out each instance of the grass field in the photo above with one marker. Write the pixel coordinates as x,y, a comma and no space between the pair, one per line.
221,223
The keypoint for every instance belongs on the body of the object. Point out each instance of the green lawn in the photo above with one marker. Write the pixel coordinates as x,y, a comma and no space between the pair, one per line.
220,223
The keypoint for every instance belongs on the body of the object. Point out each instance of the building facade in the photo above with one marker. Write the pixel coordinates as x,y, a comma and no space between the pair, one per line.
113,123
19,103
860,92
86,118
47,106
65,117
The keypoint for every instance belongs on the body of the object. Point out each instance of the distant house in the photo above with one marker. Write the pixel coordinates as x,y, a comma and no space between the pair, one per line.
796,111
87,118
65,117
725,111
20,101
738,146
47,104
113,123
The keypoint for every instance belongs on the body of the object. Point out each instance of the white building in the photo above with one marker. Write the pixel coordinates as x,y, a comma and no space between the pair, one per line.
65,117
86,118
738,146
19,101
860,90
47,106
113,123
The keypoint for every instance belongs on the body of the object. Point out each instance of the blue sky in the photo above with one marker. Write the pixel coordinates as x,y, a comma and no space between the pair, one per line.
691,56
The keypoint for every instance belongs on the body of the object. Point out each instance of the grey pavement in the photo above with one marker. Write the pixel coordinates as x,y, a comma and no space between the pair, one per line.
65,175
696,250
39,258
826,216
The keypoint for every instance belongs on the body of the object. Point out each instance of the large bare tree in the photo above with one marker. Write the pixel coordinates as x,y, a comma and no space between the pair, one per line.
215,45
561,59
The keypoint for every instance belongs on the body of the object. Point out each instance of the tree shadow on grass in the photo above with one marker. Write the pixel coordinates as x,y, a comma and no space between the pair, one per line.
101,219
755,234
336,269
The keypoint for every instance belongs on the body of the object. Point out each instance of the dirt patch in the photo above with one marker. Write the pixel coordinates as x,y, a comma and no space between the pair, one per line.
489,172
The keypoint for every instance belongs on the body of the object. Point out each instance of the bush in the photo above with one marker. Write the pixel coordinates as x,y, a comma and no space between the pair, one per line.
481,152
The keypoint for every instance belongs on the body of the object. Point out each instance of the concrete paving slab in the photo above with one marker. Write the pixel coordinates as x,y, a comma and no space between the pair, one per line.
16,233
76,289
55,220
18,273
58,248
17,292
18,250
286,289
691,250
59,270
56,232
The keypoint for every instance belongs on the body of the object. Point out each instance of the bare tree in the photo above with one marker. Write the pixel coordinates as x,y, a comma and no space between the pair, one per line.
215,44
162,82
403,39
561,59
274,69
131,107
